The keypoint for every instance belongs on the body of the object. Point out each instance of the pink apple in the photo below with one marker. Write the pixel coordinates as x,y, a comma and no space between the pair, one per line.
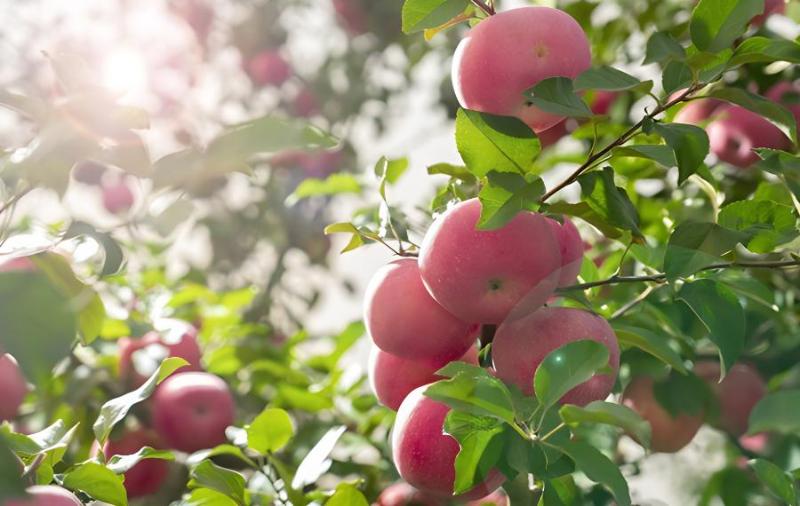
737,131
770,7
787,94
571,248
269,68
603,100
553,134
352,15
510,52
404,320
305,104
424,456
669,434
13,386
482,275
148,475
46,495
403,494
117,197
139,358
191,411
392,377
737,394
18,264
697,111
519,347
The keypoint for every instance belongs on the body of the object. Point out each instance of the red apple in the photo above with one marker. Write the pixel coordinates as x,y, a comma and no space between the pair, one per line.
403,494
520,346
669,434
424,455
89,172
46,495
18,264
603,100
305,104
269,68
571,248
352,15
770,7
508,53
117,197
697,111
737,394
392,377
139,358
14,387
553,134
482,275
147,476
403,319
191,411
737,131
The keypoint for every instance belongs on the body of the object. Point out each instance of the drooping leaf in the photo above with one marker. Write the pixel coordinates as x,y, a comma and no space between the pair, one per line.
609,200
500,143
598,468
689,143
608,413
480,447
225,481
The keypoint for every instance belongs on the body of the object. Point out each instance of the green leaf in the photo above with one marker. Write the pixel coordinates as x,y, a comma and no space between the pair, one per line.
356,240
270,431
501,143
347,495
765,50
474,391
721,312
419,15
651,343
695,245
608,200
560,492
583,211
121,464
767,223
557,96
770,110
37,343
777,412
784,165
115,410
228,483
661,48
206,497
84,300
112,250
608,413
567,367
690,144
223,449
97,481
609,79
716,24
598,468
335,184
677,75
480,447
504,194
775,479
659,153
390,170
11,485
683,393
51,441
454,171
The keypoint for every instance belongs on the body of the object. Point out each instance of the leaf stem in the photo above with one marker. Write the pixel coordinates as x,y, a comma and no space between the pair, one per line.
553,432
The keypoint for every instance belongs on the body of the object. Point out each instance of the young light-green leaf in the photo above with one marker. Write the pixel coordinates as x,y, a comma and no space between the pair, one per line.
270,431
98,481
228,483
419,15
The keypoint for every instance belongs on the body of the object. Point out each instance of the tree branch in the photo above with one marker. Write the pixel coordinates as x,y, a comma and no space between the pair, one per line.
622,139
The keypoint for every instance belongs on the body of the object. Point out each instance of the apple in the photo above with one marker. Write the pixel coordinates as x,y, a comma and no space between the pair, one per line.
317,164
46,495
269,68
117,197
89,172
14,387
351,15
697,111
669,434
305,104
404,320
424,456
147,476
510,52
403,494
191,411
392,377
553,134
757,443
736,132
480,276
139,358
770,7
519,347
737,394
787,94
603,100
571,248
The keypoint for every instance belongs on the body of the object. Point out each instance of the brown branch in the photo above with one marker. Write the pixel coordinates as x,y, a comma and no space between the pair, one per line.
622,139
488,9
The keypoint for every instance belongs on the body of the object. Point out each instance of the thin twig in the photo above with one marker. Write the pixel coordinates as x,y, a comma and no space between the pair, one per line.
622,139
13,200
487,9
633,303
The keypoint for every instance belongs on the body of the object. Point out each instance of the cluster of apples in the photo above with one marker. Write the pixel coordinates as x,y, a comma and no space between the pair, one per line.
734,132
424,312
115,189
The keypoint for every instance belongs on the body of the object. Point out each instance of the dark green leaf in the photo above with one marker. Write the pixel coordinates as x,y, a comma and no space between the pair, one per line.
598,468
765,50
112,250
557,96
650,342
777,412
677,75
716,24
567,367
663,155
767,223
419,15
662,47
610,79
608,413
775,479
97,481
229,483
721,312
504,194
501,143
583,211
690,144
608,200
11,485
693,246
